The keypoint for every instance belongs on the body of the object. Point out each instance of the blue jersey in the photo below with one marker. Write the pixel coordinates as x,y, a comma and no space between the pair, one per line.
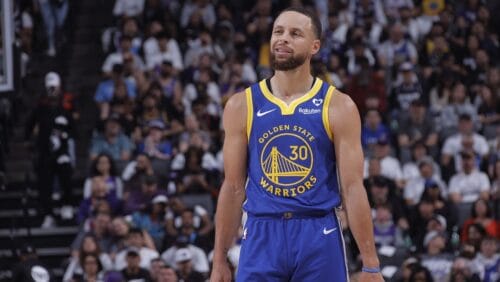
291,157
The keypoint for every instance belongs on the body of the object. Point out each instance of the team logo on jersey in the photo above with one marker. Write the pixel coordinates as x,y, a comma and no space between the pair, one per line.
286,162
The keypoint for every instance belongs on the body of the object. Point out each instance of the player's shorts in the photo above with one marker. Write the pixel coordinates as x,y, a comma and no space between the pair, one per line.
291,247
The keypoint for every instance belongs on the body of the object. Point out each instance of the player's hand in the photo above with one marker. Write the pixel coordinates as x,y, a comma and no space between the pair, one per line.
370,277
220,272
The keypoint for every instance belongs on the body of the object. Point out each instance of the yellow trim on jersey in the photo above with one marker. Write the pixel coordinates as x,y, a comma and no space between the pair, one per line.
326,119
285,108
248,95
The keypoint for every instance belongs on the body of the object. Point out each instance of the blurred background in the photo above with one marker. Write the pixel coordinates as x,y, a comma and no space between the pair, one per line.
110,131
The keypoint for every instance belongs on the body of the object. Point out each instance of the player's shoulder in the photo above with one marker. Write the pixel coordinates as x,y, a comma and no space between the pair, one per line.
342,102
237,101
235,111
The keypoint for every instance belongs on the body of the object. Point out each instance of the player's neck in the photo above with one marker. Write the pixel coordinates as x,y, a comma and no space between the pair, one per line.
289,84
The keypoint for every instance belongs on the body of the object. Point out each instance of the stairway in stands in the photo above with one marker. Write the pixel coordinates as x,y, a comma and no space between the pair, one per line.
78,63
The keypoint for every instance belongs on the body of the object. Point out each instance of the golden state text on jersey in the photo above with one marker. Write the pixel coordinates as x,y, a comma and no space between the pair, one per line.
291,157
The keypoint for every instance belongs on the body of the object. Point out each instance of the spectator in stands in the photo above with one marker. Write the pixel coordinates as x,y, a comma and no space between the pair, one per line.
167,274
150,107
106,88
127,8
136,243
118,229
382,191
166,50
198,256
419,154
104,166
355,53
203,45
137,200
435,258
121,106
152,219
185,269
418,125
475,235
420,273
467,186
373,130
133,270
204,87
98,227
123,56
197,236
112,142
92,269
487,261
192,126
172,91
89,246
410,24
367,85
338,73
54,110
489,112
406,89
457,109
201,220
465,139
385,230
397,50
481,213
99,194
420,217
205,9
470,184
461,270
54,15
359,8
154,145
416,186
135,172
155,270
442,206
389,165
30,266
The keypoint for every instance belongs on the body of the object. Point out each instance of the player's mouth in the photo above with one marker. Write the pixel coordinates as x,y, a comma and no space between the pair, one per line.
282,51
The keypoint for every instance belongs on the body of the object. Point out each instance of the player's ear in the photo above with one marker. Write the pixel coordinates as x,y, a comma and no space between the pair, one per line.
315,46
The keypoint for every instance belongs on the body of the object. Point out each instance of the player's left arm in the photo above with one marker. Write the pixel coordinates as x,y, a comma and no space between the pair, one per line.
345,125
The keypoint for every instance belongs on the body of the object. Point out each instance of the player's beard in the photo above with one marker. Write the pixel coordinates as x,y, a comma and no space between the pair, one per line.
291,63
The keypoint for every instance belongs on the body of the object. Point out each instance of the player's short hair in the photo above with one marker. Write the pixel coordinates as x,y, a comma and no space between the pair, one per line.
317,28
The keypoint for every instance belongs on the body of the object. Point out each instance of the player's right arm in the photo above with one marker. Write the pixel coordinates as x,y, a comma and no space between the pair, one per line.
232,194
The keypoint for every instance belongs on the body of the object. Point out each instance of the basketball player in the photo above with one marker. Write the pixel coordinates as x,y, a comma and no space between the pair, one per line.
292,148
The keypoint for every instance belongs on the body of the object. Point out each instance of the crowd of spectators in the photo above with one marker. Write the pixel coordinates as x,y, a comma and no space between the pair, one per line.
425,75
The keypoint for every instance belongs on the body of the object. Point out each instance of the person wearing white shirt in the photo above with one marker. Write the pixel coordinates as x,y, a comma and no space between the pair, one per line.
122,56
397,49
466,139
135,241
419,153
470,184
390,166
162,48
487,261
415,187
199,258
129,8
